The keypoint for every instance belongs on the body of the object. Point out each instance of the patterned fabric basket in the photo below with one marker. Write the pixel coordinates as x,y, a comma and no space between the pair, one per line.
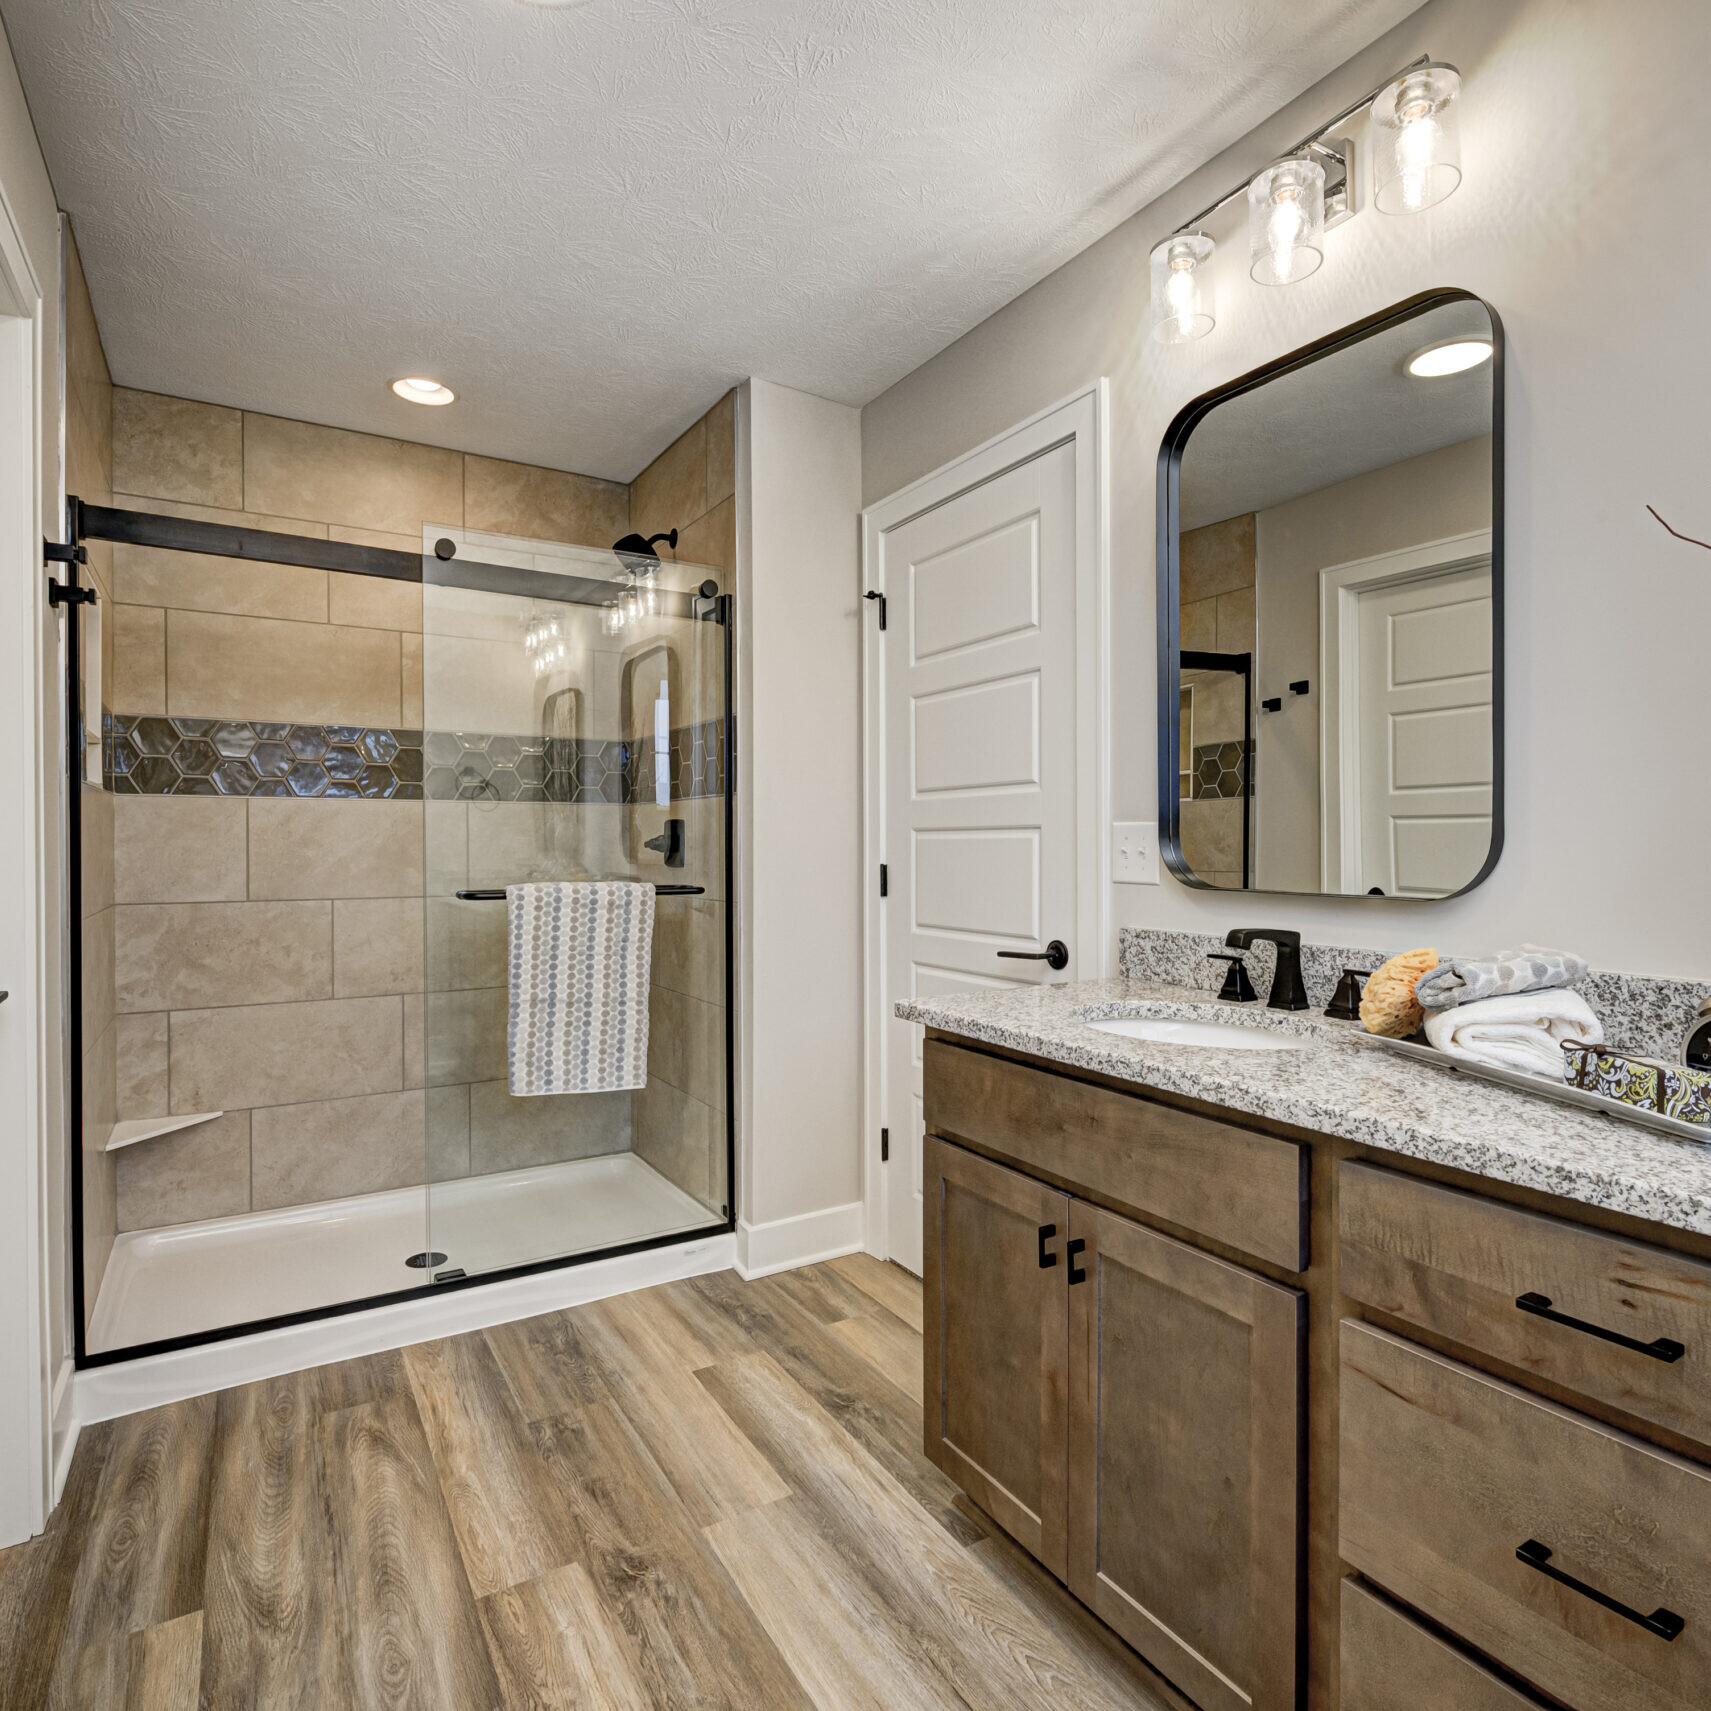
1648,1082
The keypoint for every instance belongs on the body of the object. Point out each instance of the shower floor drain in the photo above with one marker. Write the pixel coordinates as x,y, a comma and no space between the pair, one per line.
425,1259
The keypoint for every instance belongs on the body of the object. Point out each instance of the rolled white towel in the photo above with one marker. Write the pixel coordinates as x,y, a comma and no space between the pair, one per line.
1523,1031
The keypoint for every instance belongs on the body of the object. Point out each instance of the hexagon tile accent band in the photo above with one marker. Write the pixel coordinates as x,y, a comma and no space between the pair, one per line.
1219,771
149,755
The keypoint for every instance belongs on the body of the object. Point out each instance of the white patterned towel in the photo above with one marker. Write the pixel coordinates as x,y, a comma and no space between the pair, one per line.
1469,979
580,959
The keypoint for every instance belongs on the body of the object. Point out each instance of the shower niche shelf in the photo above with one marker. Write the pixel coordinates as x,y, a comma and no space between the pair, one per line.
134,1129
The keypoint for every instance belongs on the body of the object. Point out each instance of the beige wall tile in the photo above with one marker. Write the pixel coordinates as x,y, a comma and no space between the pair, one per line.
374,602
190,1174
543,504
263,668
174,448
513,843
686,1045
299,469
510,1134
153,576
334,848
377,945
448,1133
1198,624
220,514
139,659
140,1043
327,1149
1212,834
409,542
672,491
711,540
466,944
415,1039
179,849
100,1210
1217,558
194,956
722,449
98,939
689,947
275,1054
1236,627
682,1139
410,703
463,1036
96,888
445,844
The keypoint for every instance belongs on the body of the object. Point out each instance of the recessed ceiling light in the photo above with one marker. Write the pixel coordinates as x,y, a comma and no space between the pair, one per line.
1449,356
421,391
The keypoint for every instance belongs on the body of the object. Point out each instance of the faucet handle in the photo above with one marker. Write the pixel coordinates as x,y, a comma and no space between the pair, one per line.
1237,988
1345,1004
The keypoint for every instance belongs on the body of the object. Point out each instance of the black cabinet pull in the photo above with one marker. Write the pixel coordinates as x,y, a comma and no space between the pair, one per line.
1047,1261
1664,1623
1055,955
1075,1248
1664,1348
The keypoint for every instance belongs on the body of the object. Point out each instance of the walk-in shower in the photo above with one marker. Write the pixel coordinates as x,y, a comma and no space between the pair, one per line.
312,842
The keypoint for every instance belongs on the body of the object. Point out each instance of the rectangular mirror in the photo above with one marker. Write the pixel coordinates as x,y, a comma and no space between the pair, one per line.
1330,577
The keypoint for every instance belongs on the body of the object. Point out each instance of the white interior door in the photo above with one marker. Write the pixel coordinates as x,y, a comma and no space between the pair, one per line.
979,768
1425,732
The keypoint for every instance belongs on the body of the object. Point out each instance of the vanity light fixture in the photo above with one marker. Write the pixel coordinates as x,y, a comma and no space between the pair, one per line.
1182,308
1286,221
1417,161
1448,356
420,390
1311,188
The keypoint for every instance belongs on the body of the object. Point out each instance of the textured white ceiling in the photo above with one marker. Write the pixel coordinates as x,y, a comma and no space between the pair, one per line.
590,221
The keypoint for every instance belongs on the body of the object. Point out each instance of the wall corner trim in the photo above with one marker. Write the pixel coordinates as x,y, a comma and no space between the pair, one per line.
787,1243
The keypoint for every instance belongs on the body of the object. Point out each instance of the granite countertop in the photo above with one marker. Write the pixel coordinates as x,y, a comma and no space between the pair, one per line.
1336,1086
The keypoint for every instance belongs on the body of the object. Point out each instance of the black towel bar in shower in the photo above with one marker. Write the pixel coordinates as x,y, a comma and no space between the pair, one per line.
659,890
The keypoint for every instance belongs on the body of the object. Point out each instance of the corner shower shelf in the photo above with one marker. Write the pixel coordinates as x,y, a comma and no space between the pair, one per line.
136,1129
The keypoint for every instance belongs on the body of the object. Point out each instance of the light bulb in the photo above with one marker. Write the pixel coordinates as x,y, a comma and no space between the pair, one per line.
1286,221
1416,115
1180,305
1283,229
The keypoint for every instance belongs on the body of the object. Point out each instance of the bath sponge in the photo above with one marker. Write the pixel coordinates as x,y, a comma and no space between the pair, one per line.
1388,1005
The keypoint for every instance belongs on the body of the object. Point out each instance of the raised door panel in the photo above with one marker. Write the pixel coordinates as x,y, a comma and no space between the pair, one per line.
1571,1553
1185,1442
995,1343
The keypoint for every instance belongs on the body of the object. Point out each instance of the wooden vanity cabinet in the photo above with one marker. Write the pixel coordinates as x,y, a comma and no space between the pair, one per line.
1128,1408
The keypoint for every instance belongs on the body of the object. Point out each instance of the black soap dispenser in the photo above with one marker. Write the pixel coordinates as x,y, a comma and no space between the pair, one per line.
1696,1048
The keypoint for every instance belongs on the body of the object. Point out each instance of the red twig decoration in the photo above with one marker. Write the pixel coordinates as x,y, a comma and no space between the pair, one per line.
1692,540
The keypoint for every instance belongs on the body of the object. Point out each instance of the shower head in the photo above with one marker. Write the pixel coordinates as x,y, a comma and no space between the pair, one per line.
636,554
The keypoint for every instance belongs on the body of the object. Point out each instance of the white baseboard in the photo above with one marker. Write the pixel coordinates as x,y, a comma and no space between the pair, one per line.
787,1243
105,1392
64,1429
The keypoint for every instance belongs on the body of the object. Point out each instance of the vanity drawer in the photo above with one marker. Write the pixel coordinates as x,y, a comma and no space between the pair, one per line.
1457,1265
1447,1473
1389,1662
1231,1184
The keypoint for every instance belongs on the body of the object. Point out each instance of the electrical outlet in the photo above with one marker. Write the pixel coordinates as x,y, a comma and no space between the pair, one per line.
1134,852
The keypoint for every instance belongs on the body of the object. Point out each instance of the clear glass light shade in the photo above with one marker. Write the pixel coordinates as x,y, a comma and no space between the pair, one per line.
1182,296
1416,156
1286,222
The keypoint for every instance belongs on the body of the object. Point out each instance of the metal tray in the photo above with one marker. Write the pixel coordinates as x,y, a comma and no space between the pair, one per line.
1579,1097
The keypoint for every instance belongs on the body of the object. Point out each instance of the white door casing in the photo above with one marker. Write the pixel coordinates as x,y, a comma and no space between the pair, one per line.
984,774
1406,719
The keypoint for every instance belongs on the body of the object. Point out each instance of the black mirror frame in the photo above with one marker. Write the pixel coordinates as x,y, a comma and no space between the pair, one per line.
1169,571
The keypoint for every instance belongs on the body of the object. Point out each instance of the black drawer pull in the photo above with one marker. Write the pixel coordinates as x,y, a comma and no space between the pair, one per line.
1047,1261
1664,1623
1664,1348
1077,1273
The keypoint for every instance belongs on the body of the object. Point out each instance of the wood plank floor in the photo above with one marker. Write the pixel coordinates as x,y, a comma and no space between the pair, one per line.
709,1494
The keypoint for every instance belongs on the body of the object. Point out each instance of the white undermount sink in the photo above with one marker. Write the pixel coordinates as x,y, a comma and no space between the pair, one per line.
1225,1036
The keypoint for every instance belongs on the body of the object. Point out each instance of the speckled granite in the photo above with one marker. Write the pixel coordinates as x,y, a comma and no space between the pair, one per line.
1640,1014
1335,1086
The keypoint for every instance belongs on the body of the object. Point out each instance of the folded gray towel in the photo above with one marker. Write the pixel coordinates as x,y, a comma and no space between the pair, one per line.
1467,979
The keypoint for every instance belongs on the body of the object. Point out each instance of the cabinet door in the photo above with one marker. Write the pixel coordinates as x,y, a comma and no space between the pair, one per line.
996,1342
1184,1460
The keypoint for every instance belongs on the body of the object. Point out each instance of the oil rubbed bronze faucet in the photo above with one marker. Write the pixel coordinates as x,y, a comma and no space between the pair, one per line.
1287,990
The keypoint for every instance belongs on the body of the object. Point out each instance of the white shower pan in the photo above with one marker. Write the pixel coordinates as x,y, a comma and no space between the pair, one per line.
191,1278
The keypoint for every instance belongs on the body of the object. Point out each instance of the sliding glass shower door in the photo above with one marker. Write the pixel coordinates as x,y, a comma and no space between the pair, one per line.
575,727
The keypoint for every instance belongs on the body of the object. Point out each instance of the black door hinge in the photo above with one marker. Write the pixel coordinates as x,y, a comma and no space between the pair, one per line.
884,1146
884,879
874,594
63,552
69,594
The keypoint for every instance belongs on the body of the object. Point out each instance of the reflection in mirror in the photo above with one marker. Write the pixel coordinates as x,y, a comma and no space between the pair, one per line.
1336,597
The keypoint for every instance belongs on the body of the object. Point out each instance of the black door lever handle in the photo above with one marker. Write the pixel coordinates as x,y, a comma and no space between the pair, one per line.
1055,955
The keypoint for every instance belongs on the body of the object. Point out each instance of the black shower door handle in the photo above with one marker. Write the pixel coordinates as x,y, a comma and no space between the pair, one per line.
1055,955
1664,1623
1660,1348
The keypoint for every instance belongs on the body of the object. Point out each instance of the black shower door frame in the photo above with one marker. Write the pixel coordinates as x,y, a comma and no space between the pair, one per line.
181,534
